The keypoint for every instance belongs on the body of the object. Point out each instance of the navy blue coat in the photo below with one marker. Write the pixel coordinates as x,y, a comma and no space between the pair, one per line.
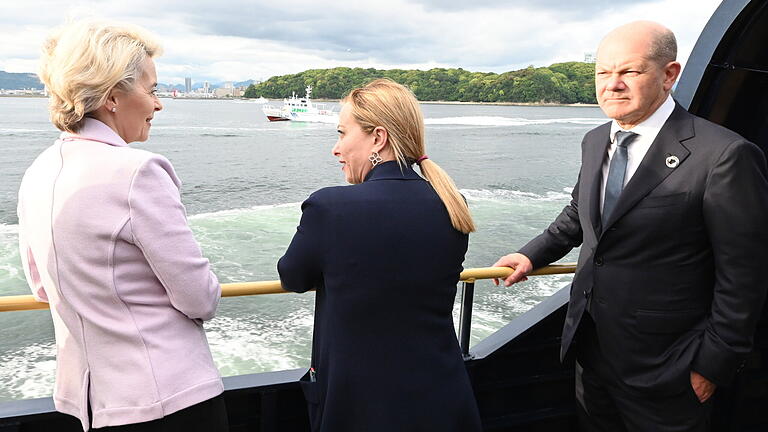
385,261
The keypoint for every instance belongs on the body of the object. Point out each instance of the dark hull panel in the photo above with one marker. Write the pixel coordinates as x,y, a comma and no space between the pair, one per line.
726,80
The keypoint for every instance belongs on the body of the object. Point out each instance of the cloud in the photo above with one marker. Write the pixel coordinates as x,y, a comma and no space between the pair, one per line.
242,39
569,8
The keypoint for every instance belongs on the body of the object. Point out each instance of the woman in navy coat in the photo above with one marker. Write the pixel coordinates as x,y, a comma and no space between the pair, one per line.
384,256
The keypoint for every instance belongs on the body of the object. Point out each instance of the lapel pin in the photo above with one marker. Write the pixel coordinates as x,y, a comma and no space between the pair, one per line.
672,161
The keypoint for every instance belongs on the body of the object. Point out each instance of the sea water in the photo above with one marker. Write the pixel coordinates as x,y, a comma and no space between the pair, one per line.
244,179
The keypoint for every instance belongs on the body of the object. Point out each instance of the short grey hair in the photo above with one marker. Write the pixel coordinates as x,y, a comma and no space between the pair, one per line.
663,47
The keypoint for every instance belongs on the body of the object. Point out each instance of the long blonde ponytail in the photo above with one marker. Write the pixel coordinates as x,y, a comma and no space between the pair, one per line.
390,105
461,219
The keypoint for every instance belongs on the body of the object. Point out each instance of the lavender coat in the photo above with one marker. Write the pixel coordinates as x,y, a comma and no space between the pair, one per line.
104,239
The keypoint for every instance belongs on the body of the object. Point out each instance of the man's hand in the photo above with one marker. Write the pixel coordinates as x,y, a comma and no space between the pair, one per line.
520,263
703,387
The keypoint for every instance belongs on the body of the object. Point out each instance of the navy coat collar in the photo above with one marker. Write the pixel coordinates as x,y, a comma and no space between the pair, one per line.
391,170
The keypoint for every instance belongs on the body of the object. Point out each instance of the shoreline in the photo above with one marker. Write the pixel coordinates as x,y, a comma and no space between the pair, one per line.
528,104
22,96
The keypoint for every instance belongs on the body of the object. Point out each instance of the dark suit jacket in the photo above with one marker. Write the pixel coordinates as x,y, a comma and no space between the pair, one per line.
675,280
385,261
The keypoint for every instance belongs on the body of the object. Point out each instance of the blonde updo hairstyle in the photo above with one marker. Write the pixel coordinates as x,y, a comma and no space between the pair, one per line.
84,60
390,105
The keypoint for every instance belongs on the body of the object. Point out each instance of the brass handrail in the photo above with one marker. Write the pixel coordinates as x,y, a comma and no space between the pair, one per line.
27,302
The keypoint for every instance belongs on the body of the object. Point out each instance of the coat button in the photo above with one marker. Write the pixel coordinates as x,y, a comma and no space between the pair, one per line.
599,261
586,294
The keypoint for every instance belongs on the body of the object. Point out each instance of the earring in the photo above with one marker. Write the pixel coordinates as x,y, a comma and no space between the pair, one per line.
375,158
114,109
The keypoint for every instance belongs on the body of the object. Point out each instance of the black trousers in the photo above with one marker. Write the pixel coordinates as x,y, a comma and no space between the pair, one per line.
605,405
206,416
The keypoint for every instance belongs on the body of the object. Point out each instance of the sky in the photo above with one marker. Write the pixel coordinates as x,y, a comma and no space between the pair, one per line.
237,40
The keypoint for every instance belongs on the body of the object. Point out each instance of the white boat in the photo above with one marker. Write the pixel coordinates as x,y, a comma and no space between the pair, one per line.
301,109
273,113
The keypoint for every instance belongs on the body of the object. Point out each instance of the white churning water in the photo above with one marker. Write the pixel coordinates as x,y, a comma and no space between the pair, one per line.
243,183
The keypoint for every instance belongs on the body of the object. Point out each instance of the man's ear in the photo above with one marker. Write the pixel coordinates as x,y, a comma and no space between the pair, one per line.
671,73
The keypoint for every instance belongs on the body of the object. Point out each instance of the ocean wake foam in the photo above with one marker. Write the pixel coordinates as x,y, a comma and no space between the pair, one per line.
502,195
221,214
241,345
28,372
23,131
509,121
9,229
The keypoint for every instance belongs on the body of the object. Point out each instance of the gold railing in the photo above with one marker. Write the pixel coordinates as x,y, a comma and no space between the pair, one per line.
27,302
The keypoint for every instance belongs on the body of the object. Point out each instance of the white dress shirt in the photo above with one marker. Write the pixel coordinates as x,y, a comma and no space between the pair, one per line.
647,131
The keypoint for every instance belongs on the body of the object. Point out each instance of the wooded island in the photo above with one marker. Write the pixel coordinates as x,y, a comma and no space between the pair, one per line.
560,83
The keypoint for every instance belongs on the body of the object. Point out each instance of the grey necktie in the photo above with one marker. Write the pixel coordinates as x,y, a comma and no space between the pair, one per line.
616,173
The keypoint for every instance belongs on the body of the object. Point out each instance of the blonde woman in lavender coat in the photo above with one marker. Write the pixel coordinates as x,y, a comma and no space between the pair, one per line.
104,239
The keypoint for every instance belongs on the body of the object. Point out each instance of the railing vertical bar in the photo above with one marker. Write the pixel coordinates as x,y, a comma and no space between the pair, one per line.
465,317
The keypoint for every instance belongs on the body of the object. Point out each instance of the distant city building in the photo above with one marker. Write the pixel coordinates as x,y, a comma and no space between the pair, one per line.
229,92
188,85
228,85
222,92
23,92
206,87
589,58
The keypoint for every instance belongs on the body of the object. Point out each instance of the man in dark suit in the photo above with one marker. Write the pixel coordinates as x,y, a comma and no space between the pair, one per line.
668,210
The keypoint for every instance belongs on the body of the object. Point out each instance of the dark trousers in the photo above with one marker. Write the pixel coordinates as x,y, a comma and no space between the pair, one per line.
206,416
605,405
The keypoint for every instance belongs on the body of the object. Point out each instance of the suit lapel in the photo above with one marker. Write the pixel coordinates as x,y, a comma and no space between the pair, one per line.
598,153
653,169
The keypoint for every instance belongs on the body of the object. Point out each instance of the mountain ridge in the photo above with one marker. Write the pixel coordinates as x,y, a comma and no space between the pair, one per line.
26,80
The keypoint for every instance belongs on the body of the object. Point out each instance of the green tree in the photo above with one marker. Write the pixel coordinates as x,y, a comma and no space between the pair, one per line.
251,92
569,82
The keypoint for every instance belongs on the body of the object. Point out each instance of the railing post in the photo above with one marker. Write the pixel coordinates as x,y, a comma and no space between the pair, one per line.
465,317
